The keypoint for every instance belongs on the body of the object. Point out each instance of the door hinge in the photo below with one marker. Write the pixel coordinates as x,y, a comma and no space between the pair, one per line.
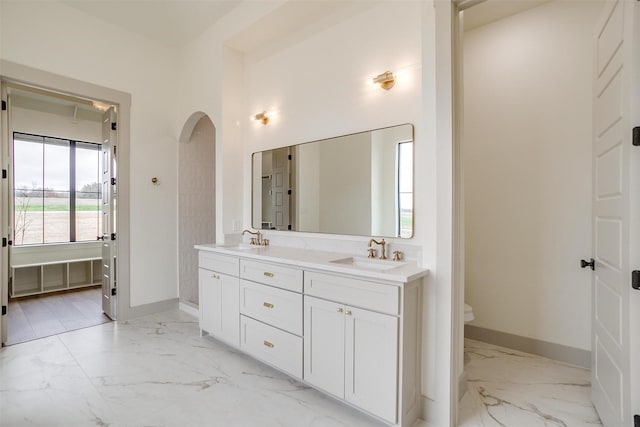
288,156
635,279
635,138
289,227
114,126
4,312
289,192
113,181
113,236
4,105
636,418
4,174
113,291
4,242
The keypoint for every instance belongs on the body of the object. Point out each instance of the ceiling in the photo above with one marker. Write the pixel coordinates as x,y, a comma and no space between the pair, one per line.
492,10
170,22
174,23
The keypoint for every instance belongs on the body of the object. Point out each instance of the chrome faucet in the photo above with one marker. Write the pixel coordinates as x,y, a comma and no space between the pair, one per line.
382,243
258,240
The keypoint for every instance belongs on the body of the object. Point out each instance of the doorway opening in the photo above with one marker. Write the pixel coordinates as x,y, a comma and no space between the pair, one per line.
58,205
197,201
524,167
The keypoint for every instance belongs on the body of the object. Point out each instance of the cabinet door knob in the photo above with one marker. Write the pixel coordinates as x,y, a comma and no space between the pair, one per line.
348,313
267,304
268,274
268,344
340,310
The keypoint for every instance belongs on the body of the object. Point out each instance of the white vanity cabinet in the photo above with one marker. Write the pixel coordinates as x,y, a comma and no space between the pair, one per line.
351,334
219,307
271,314
352,354
350,351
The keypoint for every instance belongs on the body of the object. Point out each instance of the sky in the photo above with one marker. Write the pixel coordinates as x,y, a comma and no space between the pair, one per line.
29,172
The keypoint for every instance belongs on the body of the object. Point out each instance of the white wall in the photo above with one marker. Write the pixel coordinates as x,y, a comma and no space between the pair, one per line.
527,154
55,125
65,41
319,86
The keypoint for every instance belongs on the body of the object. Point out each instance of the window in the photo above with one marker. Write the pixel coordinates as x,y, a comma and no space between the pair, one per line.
57,192
405,189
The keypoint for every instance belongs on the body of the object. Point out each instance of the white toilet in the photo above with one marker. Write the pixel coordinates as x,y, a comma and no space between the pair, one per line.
468,313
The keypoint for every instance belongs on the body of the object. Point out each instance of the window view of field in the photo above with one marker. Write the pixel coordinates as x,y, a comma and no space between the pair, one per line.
405,188
43,197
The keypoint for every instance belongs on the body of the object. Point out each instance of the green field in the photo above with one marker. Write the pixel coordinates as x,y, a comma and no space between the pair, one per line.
56,205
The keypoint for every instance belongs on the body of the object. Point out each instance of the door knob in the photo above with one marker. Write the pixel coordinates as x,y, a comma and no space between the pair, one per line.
591,264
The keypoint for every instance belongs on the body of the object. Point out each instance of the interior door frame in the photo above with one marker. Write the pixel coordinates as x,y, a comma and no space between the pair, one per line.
21,74
4,210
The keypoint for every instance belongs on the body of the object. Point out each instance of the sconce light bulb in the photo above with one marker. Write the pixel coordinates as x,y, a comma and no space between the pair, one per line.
386,80
262,117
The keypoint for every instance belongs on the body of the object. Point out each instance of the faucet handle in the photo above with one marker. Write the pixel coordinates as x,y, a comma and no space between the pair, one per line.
397,255
372,253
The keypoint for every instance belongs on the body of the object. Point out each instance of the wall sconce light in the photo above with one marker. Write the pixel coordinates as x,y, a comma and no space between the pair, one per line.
386,80
262,117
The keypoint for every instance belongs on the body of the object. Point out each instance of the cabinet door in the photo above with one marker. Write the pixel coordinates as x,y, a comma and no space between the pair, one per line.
324,345
230,309
371,361
209,301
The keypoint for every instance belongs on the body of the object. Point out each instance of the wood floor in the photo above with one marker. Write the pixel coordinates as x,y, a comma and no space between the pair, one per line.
50,314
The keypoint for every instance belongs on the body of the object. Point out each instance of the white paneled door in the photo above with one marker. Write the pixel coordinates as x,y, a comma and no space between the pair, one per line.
109,128
616,218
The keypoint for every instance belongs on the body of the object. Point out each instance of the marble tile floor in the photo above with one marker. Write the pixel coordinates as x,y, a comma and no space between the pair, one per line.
511,388
157,371
153,371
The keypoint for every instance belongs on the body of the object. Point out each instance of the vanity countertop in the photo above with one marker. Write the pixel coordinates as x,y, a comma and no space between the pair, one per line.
392,271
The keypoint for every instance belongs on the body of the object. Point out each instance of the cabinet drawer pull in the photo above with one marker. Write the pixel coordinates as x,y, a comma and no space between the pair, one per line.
215,276
348,313
268,274
340,310
267,304
268,344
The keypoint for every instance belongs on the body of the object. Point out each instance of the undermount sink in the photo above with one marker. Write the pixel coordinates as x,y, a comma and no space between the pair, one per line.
243,247
369,264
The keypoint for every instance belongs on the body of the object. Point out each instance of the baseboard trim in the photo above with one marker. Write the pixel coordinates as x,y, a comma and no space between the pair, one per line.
151,308
189,309
562,353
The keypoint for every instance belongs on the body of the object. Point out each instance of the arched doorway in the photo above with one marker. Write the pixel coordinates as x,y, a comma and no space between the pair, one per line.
196,200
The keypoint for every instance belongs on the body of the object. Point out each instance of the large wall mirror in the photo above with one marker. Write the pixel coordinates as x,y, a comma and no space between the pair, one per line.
359,184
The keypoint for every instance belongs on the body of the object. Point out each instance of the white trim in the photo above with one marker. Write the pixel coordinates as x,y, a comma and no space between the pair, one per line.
189,309
427,410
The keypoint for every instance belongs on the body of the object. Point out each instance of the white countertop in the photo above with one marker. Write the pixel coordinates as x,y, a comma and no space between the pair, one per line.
406,271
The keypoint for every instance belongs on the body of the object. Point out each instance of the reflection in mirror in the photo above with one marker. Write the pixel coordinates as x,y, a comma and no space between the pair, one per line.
359,184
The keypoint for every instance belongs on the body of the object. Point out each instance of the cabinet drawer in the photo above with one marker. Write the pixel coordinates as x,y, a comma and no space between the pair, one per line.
271,274
278,348
360,293
277,307
220,263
